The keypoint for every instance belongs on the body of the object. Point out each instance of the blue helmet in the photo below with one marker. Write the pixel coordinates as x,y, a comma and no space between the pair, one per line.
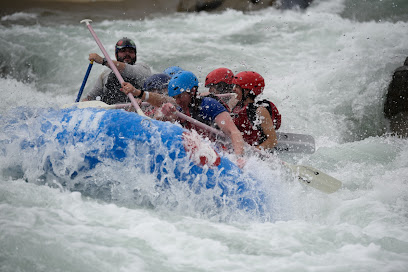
172,70
182,82
156,82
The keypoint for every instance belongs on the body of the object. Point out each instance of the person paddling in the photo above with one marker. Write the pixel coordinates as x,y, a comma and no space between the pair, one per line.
182,89
107,86
252,119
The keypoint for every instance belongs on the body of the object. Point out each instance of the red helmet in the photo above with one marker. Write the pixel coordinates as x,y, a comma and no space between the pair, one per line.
219,75
250,80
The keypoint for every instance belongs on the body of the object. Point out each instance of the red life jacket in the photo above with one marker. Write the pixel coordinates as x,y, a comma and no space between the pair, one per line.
272,109
245,117
251,134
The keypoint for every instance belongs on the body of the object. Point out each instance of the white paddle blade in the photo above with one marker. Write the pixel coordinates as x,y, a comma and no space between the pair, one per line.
315,178
295,143
90,104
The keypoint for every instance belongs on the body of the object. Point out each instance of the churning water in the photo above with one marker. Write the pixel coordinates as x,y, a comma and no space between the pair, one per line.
327,69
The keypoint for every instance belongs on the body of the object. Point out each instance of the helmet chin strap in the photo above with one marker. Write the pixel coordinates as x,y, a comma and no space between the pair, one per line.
193,94
243,96
194,91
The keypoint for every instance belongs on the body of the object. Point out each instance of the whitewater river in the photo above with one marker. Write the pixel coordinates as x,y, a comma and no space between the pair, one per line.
327,70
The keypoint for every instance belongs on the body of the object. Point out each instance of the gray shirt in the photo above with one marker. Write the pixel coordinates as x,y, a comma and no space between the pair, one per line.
107,87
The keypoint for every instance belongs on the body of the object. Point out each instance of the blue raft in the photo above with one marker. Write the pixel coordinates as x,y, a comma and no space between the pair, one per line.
155,148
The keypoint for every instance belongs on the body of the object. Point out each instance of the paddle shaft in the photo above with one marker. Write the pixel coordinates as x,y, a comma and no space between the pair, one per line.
84,82
199,124
112,66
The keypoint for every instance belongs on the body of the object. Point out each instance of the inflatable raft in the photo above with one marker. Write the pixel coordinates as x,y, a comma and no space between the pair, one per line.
90,137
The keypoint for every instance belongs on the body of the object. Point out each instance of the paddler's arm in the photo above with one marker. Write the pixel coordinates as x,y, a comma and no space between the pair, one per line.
268,129
153,99
225,123
98,59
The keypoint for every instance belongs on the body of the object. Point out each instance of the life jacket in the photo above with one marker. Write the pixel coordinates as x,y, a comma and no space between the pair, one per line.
272,109
245,120
251,134
112,94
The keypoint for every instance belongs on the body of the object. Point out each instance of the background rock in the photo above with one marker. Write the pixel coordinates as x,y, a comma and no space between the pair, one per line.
243,5
396,103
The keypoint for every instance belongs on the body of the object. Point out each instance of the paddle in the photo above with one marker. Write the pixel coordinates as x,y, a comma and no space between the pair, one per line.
308,175
288,142
295,143
315,178
84,81
112,66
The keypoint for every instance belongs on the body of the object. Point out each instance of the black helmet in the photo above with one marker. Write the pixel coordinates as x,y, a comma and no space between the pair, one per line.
123,43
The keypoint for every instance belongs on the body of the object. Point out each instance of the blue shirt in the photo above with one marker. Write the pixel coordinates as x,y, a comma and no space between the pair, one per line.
208,111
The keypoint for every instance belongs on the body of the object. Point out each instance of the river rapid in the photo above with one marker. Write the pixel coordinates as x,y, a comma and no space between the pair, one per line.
326,68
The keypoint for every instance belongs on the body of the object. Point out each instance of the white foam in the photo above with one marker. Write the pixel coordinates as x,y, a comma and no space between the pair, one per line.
19,16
